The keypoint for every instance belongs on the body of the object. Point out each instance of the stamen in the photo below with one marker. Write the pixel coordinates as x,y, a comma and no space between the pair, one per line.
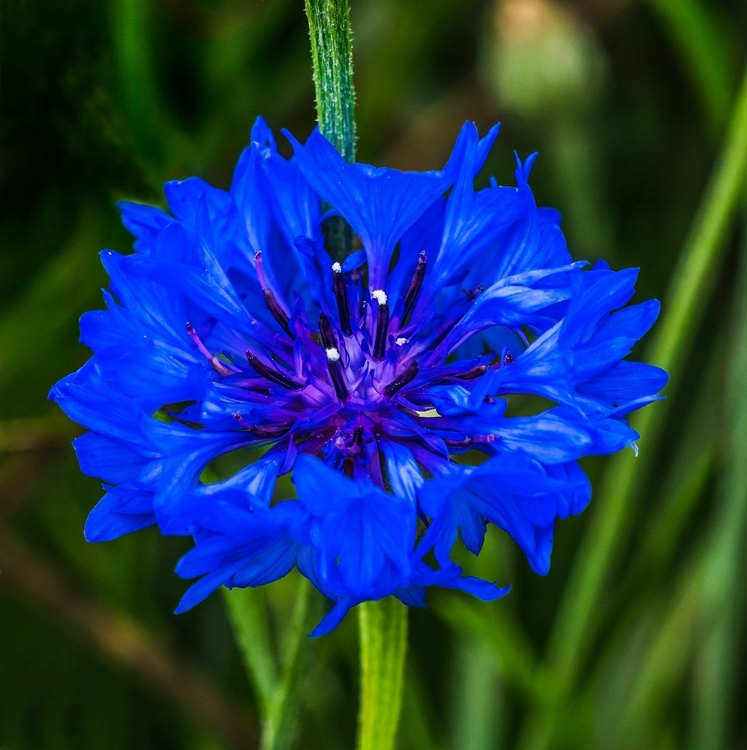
485,438
472,374
338,380
402,380
341,295
459,443
467,441
270,373
333,355
401,341
472,294
329,340
358,440
219,367
262,431
414,288
270,300
237,416
508,358
382,324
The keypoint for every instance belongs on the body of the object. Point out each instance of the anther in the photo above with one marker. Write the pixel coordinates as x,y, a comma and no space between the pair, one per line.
400,341
338,380
270,300
240,419
382,323
484,438
474,293
219,367
414,288
270,373
329,340
333,355
402,380
472,374
464,443
269,432
380,296
508,358
358,439
341,295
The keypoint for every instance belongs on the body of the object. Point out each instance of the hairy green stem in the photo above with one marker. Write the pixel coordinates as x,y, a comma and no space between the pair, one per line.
332,61
383,624
383,631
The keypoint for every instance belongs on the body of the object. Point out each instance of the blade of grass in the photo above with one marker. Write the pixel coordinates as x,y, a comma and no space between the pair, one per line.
663,669
281,721
512,654
153,129
702,41
723,606
417,731
124,641
690,288
476,704
248,616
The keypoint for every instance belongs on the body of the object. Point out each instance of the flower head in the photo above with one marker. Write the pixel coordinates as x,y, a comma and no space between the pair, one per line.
382,383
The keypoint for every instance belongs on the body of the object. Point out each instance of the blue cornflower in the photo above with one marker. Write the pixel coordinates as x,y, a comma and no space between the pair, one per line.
232,333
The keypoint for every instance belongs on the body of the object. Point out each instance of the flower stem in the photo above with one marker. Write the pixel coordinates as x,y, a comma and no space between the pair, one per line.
383,624
383,632
332,60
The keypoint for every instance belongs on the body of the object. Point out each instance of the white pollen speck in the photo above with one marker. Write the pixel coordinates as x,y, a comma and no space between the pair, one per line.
332,354
336,267
400,341
379,295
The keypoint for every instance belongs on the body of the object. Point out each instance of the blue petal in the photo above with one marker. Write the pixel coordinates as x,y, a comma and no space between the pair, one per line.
334,617
119,512
403,470
450,577
253,549
249,185
109,460
625,381
144,222
364,534
379,204
512,493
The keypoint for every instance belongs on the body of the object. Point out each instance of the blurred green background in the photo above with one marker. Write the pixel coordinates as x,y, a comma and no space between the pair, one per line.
635,639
